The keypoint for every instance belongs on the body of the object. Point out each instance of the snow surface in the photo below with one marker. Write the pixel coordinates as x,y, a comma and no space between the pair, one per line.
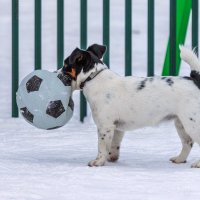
37,164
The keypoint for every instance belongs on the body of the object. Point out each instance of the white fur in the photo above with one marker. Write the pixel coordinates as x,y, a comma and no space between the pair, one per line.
190,57
120,103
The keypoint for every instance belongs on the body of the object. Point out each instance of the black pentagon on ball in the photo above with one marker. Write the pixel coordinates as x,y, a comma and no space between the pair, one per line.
55,108
27,114
33,84
71,103
66,80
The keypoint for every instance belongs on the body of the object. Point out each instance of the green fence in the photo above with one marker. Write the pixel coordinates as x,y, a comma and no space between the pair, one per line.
179,16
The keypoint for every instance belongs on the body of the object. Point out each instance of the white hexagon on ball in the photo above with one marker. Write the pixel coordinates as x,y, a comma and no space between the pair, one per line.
44,99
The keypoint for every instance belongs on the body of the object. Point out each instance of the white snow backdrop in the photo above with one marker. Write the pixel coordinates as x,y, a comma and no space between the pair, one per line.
37,164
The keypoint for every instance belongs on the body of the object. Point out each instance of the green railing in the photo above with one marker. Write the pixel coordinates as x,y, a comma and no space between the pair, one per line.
38,28
195,32
178,27
150,41
83,41
128,37
60,33
15,55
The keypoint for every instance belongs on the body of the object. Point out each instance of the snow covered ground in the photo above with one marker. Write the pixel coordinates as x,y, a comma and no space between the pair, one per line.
37,164
51,165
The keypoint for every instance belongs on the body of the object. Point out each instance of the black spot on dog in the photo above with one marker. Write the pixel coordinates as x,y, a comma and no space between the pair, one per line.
195,77
118,148
102,138
142,84
191,119
119,123
191,144
116,122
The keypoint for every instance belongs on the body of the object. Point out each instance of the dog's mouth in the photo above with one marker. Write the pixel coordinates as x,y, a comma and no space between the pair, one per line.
71,72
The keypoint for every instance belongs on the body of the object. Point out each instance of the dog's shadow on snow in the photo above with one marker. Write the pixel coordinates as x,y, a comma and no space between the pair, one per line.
137,161
149,162
127,160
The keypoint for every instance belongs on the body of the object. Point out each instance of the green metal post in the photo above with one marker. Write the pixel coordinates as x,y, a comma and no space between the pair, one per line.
172,70
106,30
15,55
128,37
83,41
38,33
195,22
60,33
150,62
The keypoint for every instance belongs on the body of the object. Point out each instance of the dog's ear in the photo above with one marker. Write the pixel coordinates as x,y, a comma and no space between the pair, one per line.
79,56
97,50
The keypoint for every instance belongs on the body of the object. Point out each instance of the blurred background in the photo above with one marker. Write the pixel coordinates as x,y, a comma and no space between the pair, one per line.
72,39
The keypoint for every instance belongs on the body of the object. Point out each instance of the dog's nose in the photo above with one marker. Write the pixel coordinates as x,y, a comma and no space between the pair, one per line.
64,71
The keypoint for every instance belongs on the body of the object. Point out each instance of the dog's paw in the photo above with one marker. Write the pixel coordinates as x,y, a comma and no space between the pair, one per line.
96,163
177,160
113,157
196,164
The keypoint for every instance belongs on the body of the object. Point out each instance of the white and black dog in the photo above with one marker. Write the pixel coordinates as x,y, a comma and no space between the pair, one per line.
120,103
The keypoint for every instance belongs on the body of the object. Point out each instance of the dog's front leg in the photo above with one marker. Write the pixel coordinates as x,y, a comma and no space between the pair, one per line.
115,147
105,136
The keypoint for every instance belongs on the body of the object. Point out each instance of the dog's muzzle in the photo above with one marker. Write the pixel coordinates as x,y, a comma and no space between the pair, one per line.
72,74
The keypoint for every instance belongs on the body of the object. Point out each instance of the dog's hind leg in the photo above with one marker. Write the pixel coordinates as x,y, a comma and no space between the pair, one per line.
197,163
187,143
105,137
115,146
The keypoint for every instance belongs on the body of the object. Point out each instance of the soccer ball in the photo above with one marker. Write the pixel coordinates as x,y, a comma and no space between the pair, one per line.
44,99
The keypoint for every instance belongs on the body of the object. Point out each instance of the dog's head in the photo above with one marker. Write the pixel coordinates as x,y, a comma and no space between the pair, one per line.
81,63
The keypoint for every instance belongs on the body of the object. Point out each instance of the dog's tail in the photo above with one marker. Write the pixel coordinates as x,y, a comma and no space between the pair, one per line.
190,57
